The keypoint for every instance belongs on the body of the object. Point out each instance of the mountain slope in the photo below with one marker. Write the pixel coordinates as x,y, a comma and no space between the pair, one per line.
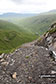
30,64
35,24
12,36
39,23
48,40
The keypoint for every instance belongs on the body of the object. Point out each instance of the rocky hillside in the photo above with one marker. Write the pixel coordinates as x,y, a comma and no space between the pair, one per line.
29,63
48,40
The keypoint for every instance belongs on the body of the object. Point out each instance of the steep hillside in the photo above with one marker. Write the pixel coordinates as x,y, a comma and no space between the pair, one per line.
26,29
48,40
12,36
37,24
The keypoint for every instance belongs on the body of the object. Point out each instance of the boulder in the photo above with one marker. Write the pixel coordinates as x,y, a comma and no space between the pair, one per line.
14,75
1,56
53,72
49,39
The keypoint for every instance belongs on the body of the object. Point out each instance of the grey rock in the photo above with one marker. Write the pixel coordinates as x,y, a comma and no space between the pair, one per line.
49,39
1,56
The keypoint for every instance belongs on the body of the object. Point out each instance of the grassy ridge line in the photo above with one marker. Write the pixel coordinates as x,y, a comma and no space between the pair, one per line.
12,36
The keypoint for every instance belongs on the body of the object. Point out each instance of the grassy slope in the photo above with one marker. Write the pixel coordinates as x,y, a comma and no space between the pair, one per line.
39,23
12,36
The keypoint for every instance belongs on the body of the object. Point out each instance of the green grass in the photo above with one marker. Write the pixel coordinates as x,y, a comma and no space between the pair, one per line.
52,30
36,24
19,31
12,36
27,57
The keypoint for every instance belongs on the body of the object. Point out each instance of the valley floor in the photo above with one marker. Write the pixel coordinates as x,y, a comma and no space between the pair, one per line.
25,65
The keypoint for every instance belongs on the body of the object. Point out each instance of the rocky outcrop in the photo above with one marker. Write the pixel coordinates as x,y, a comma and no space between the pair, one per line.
53,25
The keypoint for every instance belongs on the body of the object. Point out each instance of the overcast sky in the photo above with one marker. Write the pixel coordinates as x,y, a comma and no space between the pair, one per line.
26,6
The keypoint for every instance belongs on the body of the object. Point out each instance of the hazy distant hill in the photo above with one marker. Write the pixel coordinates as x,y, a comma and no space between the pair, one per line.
53,10
15,15
39,23
35,23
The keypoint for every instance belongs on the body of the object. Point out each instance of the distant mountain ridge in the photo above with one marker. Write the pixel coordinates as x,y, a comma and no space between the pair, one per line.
53,10
5,15
11,14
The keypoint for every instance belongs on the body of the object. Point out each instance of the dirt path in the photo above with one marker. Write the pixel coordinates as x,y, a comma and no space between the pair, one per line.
29,44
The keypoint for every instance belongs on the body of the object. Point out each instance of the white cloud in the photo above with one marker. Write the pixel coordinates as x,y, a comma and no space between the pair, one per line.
36,2
26,6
